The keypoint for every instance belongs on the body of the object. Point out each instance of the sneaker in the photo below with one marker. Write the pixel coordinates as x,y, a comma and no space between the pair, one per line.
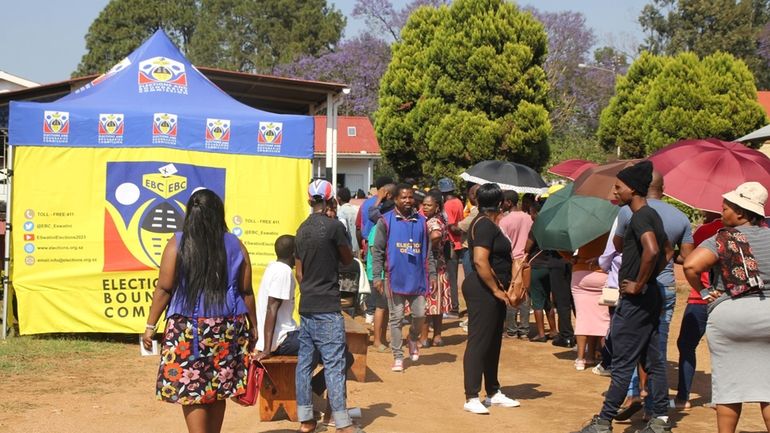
501,400
510,334
452,315
597,425
414,351
398,365
474,406
580,364
601,371
656,425
369,319
563,342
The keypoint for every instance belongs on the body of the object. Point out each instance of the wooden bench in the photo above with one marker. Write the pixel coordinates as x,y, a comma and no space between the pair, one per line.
357,338
282,371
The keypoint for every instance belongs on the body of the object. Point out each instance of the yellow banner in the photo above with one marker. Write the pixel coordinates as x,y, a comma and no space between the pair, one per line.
90,224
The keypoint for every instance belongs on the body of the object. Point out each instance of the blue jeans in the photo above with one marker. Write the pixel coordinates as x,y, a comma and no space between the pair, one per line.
324,334
690,334
465,259
634,334
669,302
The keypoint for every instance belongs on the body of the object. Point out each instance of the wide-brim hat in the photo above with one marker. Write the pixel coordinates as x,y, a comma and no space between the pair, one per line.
751,196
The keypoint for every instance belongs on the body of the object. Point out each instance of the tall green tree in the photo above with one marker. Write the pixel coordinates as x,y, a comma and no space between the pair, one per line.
465,83
664,99
241,35
705,27
124,24
258,35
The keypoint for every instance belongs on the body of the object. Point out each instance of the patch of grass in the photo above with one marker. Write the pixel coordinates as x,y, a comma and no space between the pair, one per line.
44,352
16,406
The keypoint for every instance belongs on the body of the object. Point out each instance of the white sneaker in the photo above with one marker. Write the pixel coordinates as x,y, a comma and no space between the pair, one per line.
501,400
474,406
369,319
601,371
398,365
414,351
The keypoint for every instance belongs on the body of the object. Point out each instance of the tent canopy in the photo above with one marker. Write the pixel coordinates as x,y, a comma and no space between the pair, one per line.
156,98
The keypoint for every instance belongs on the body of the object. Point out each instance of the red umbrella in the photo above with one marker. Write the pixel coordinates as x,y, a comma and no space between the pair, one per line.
571,168
698,172
599,181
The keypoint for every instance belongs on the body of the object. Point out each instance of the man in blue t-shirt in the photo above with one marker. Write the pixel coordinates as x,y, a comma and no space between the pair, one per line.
363,223
679,233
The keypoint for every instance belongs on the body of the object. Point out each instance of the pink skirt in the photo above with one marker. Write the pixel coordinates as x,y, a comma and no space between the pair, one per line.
591,318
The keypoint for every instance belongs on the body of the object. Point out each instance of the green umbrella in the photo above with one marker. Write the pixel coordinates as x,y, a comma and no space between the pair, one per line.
569,221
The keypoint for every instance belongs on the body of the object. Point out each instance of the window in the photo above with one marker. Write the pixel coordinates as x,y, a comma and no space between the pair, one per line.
351,131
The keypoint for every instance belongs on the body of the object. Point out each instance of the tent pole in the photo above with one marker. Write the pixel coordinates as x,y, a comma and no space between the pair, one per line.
335,107
329,127
7,254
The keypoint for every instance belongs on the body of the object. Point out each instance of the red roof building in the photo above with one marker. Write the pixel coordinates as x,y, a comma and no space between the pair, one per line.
357,150
763,97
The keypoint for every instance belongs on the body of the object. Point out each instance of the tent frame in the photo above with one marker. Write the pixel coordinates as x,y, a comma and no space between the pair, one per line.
7,254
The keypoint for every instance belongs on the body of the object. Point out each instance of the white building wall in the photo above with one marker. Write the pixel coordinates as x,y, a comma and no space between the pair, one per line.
357,171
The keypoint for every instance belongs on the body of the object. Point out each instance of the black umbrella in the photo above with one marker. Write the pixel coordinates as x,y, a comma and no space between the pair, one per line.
509,175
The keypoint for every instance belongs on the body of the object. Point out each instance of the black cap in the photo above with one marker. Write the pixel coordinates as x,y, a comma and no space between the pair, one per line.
637,176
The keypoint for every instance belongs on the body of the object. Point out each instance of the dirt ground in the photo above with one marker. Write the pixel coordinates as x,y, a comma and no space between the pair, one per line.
115,393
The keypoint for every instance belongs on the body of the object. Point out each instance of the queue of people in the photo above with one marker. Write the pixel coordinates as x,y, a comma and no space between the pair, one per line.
411,242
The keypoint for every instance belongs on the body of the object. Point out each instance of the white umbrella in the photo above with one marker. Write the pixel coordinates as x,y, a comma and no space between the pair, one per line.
760,134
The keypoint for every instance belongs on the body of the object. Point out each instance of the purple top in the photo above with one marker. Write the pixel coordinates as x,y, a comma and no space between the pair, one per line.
234,304
610,259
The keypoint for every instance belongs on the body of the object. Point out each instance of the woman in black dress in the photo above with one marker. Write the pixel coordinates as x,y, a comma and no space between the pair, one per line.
485,292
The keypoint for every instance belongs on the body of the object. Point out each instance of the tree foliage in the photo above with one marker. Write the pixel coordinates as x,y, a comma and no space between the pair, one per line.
664,99
124,24
466,83
241,35
569,44
258,35
705,27
359,62
382,18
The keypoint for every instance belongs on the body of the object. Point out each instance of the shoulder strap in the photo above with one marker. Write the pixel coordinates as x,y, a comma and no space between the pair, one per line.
473,226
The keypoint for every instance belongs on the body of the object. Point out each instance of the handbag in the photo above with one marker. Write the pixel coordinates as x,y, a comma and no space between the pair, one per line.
609,297
521,279
739,269
254,378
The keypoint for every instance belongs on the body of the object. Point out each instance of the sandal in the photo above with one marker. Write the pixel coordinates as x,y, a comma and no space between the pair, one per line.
626,412
676,404
542,339
317,428
438,342
580,364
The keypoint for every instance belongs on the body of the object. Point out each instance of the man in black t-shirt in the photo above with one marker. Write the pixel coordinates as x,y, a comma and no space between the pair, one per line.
634,328
321,244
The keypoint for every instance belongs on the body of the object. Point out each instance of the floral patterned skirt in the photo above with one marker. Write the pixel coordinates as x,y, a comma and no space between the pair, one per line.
216,371
439,301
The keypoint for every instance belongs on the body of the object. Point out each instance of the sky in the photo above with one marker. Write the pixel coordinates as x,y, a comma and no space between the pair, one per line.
43,40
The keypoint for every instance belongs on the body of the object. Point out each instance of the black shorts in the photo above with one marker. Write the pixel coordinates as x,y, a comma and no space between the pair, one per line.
377,298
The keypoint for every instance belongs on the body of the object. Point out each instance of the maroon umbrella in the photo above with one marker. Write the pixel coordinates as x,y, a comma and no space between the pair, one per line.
571,168
698,172
599,181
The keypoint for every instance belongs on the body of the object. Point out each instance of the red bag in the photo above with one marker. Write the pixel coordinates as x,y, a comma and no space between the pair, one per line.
254,378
